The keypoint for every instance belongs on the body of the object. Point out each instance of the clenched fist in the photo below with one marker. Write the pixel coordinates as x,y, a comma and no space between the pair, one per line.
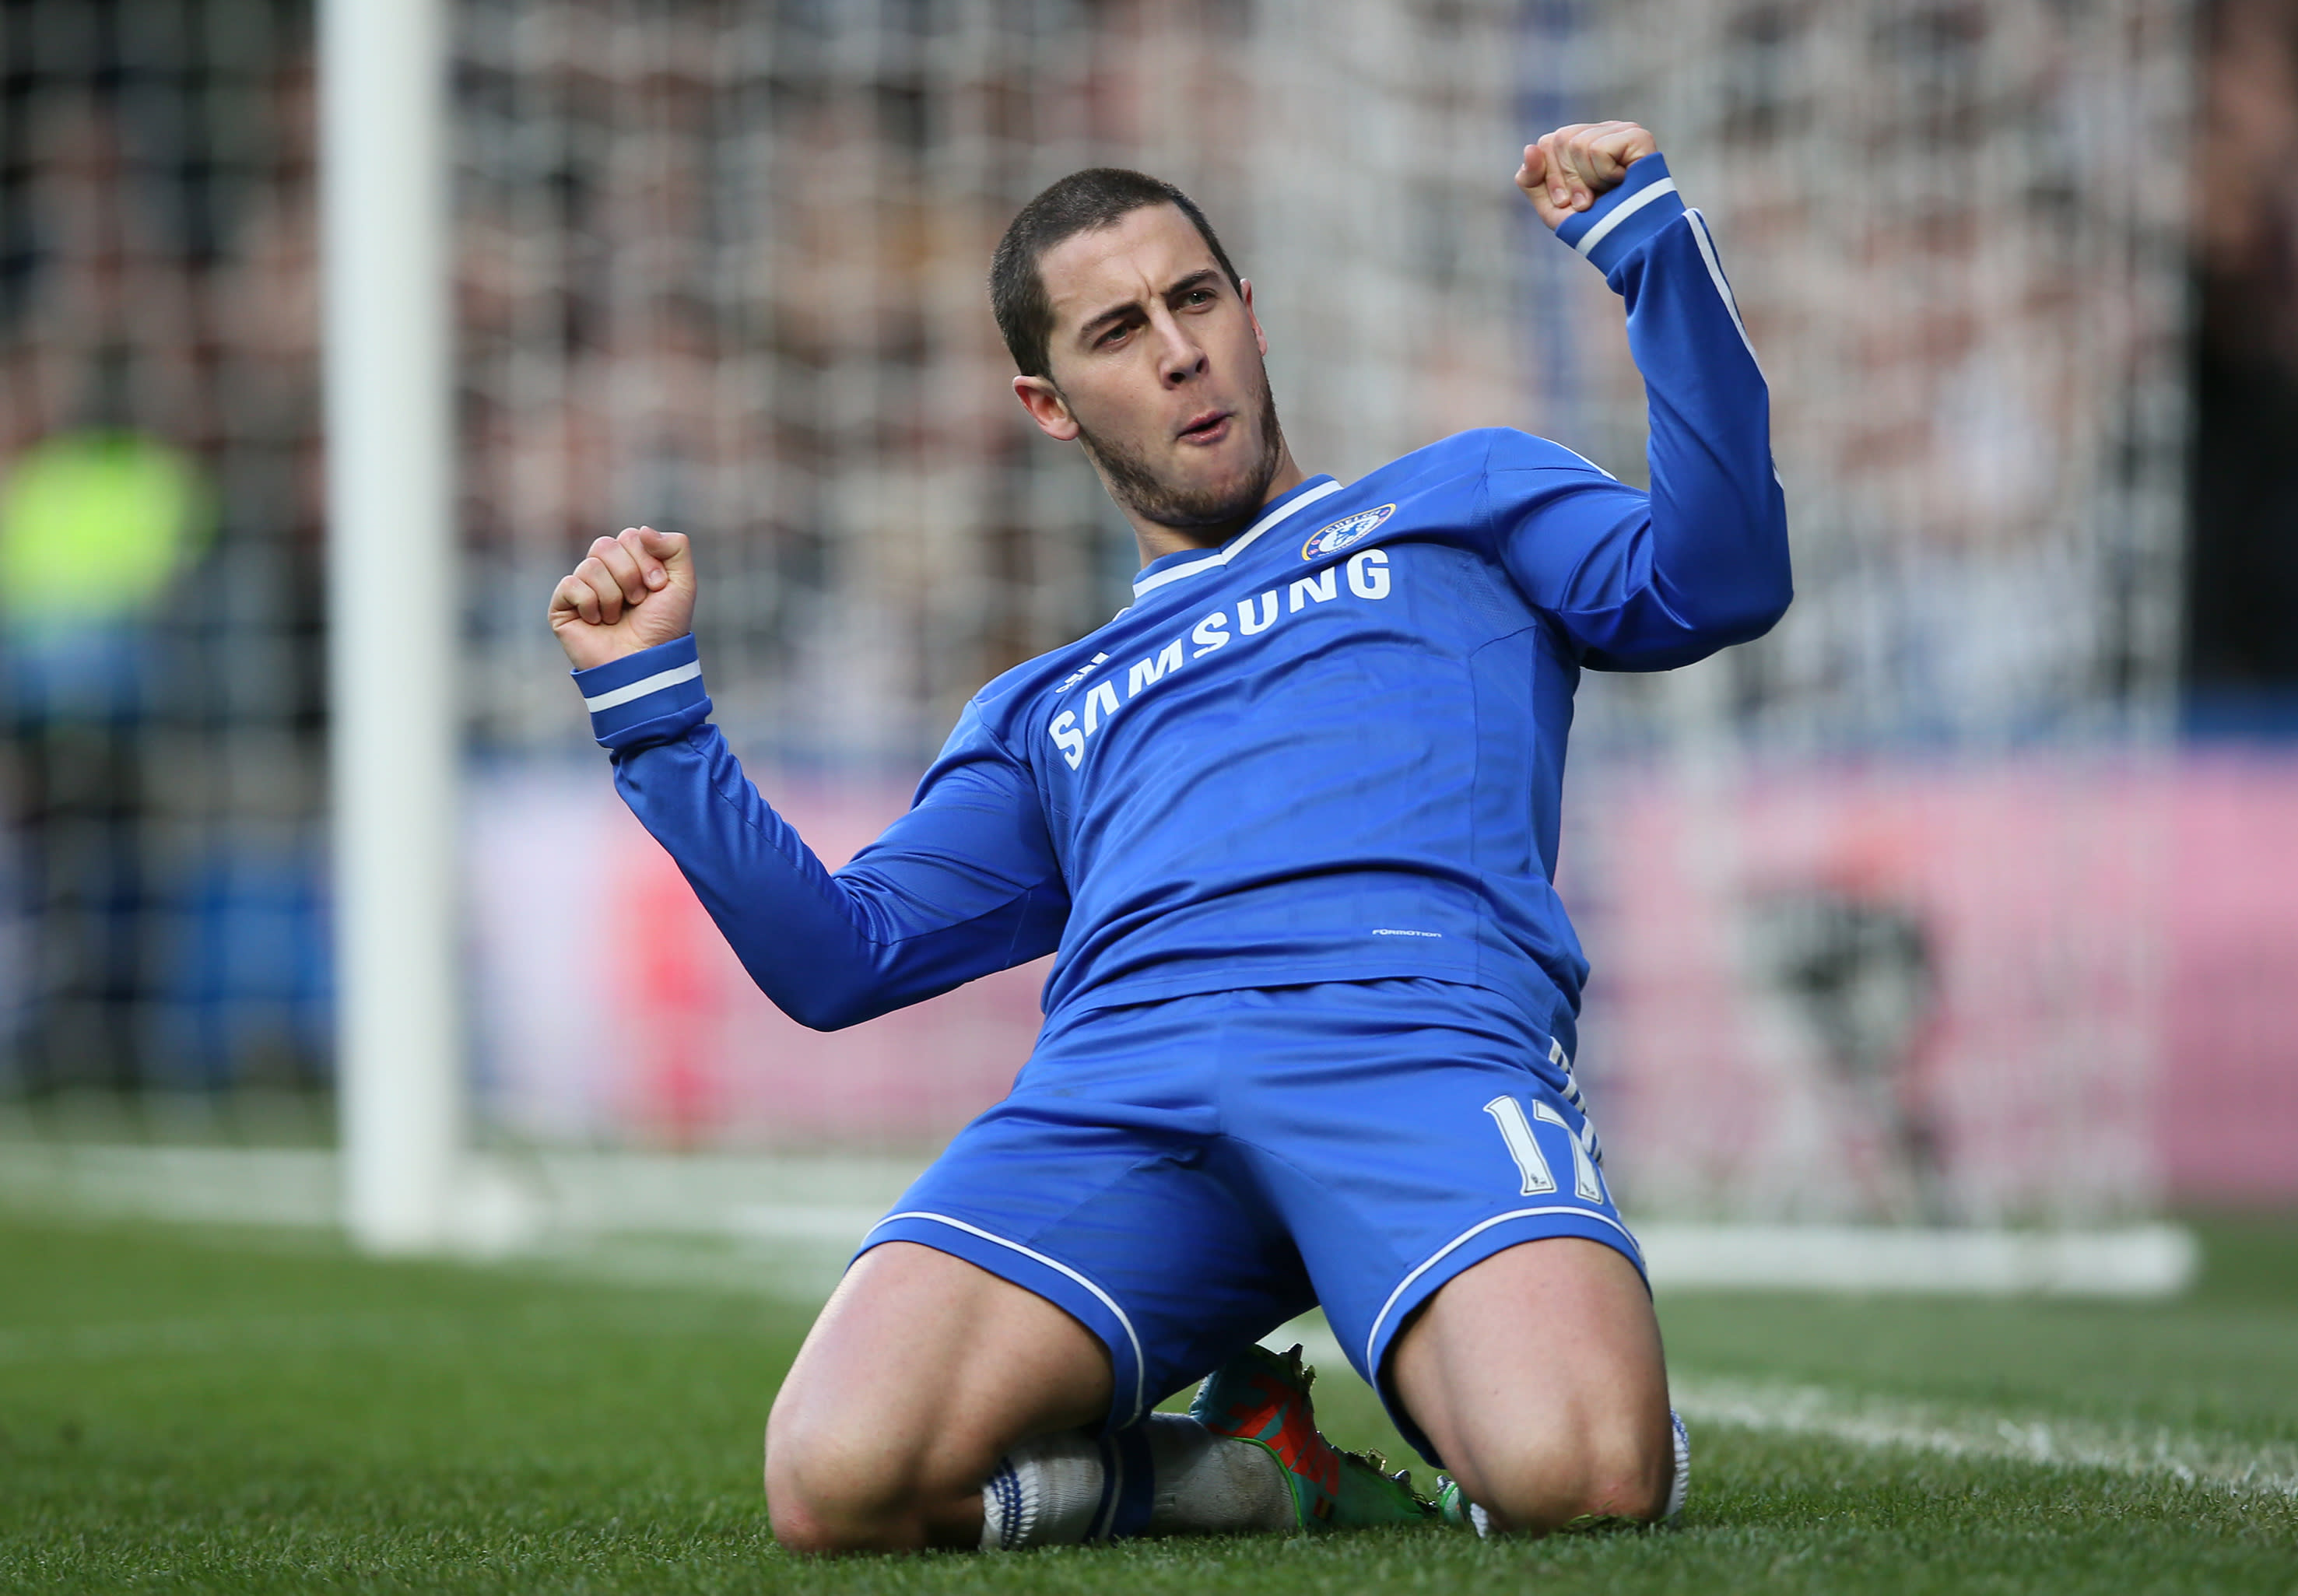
632,592
1564,172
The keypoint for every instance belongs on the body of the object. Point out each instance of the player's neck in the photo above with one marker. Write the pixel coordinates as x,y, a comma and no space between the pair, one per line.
1157,540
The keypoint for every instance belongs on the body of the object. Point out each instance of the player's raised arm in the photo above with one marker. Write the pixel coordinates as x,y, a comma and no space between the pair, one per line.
963,884
1645,581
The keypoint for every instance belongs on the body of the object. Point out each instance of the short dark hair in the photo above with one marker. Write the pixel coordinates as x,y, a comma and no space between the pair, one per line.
1100,196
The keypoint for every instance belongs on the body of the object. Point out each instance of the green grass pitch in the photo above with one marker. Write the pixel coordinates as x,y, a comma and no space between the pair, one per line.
185,1409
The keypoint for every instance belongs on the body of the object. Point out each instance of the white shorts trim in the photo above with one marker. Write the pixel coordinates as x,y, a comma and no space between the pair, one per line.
1372,1340
1140,1368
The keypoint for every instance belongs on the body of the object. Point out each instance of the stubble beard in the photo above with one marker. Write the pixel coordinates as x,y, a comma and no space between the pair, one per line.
1136,486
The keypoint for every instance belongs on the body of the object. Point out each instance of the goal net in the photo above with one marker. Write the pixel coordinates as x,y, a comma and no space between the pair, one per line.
1873,904
1882,897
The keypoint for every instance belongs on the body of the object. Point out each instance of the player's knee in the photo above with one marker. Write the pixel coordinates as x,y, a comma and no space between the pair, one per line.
800,1528
1606,1471
839,1491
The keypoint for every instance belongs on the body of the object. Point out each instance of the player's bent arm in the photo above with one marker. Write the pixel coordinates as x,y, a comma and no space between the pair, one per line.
1647,582
963,884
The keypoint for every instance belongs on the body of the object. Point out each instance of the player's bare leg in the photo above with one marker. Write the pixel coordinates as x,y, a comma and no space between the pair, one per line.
1538,1377
935,1404
920,1375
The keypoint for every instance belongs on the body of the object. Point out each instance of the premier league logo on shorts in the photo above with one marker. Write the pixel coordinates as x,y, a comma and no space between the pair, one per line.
1340,534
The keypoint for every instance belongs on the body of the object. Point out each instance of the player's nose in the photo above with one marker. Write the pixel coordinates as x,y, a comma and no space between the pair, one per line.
1179,356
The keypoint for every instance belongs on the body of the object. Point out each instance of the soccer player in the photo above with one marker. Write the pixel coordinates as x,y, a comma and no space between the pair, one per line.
1288,822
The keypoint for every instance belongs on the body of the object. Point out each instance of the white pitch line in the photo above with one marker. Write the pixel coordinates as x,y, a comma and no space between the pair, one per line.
1875,1423
2192,1458
1320,1349
2156,1452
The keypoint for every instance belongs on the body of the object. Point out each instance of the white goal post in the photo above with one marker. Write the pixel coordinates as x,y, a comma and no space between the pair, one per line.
393,613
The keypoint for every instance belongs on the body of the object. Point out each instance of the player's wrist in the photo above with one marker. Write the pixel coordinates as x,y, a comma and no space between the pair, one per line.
589,654
1624,217
651,694
594,648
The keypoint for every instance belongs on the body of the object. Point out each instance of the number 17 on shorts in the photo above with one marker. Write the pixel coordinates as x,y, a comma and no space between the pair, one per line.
1524,1147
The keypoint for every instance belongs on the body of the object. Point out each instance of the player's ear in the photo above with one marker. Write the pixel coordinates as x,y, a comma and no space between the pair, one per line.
1046,407
1244,291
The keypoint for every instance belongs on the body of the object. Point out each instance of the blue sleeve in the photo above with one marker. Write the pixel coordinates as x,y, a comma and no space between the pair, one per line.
963,884
1645,581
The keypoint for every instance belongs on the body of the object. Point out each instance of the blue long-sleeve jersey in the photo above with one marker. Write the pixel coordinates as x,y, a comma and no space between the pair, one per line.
1331,749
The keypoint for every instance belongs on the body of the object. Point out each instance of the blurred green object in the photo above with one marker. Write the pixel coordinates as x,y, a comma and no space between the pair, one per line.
94,526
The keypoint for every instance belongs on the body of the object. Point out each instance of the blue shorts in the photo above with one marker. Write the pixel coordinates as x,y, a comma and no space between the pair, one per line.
1183,1177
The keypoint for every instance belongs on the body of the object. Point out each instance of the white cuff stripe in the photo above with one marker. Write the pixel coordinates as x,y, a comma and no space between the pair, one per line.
1628,207
618,697
1372,1341
1140,1368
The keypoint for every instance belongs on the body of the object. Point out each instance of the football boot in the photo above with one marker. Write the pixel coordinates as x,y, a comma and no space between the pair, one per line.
1262,1397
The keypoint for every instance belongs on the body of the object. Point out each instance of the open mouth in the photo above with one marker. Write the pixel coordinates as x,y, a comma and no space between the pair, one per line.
1208,429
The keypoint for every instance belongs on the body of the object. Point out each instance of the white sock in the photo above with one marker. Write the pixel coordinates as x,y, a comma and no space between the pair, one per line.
1047,1491
1682,1483
1044,1493
1209,1485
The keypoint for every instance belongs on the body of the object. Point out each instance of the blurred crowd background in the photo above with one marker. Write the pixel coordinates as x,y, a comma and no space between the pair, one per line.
1971,892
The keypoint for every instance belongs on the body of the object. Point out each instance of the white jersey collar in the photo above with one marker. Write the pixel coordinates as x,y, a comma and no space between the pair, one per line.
1152,578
